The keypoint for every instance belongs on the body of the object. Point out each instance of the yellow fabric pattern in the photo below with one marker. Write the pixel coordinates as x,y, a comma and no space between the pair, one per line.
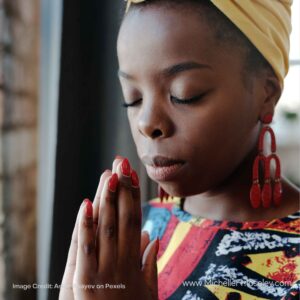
267,264
223,259
266,23
179,234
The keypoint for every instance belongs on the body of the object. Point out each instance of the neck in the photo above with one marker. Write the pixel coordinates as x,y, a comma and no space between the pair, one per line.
230,199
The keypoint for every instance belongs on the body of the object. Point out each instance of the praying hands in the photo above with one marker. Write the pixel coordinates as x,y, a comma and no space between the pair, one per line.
109,258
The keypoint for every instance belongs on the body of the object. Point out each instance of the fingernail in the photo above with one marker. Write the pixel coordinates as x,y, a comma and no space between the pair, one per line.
134,179
125,167
118,157
88,208
113,182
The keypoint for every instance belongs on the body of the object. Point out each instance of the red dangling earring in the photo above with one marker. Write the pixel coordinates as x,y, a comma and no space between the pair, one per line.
162,194
269,191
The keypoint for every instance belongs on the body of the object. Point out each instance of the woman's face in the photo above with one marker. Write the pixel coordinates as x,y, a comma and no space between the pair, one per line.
166,55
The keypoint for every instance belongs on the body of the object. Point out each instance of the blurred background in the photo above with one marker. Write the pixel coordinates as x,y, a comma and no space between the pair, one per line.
61,125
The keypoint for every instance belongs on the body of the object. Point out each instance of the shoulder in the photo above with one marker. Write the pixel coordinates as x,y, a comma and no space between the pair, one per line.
156,216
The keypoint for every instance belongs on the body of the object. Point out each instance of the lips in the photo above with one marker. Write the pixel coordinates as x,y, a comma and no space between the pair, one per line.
162,168
160,161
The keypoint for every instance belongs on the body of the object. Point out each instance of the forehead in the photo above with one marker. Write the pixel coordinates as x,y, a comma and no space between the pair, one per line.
157,35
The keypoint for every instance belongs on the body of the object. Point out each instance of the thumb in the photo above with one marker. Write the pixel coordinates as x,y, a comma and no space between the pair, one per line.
149,267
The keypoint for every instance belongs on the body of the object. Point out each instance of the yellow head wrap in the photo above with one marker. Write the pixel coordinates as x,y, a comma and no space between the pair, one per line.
266,23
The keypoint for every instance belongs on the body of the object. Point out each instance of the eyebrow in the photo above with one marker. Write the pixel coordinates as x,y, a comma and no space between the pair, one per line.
182,67
172,70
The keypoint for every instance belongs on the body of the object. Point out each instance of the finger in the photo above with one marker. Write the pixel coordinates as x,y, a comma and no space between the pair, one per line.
107,173
66,286
86,263
107,229
149,267
145,240
116,161
127,220
137,212
96,203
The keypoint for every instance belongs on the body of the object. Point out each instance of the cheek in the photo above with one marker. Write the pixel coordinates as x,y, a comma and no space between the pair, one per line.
202,127
203,138
218,136
132,119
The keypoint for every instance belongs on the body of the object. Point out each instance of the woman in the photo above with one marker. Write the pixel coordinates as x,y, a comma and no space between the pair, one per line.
200,81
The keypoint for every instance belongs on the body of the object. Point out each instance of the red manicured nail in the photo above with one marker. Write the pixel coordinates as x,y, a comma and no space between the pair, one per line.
125,167
113,182
88,208
134,179
118,157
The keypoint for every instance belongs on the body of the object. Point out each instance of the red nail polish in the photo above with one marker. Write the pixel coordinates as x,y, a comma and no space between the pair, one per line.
125,167
88,208
113,182
134,179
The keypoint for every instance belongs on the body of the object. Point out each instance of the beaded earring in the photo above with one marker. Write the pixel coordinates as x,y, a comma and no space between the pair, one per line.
270,190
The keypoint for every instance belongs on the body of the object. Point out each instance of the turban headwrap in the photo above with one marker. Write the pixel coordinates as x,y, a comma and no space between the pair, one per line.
266,23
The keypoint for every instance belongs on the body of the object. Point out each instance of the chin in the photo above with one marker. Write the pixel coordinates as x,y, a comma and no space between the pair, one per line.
180,184
181,190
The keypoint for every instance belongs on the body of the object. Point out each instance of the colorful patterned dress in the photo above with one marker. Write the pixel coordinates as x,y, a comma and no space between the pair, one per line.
208,259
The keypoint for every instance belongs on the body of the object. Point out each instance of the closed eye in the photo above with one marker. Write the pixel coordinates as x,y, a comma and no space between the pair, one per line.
187,100
173,99
134,103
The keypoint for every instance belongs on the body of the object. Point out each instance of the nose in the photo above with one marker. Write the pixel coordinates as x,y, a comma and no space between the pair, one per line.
155,122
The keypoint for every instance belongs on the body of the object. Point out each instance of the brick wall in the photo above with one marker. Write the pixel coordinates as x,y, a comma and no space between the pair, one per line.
19,81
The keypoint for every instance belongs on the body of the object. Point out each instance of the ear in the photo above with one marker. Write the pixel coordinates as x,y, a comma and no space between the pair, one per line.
271,94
